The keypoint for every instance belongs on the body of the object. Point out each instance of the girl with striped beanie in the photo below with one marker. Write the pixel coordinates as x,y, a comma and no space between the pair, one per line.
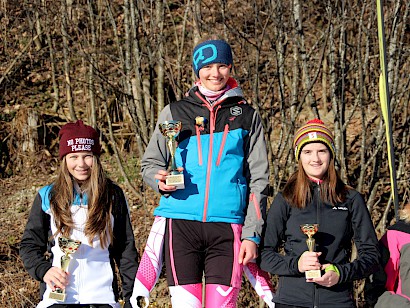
313,131
315,194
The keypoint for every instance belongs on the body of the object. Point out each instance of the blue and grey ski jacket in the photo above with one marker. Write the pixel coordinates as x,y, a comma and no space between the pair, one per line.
224,159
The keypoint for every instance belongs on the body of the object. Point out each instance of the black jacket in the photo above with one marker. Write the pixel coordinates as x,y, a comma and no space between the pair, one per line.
338,226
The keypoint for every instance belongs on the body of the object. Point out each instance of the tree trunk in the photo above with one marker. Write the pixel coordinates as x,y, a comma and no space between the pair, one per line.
159,16
91,65
136,83
66,54
29,134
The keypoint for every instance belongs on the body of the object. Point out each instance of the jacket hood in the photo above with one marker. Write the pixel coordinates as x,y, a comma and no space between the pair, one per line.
401,225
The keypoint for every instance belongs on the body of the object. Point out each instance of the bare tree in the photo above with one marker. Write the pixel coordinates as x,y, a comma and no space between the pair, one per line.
66,53
92,64
122,61
159,17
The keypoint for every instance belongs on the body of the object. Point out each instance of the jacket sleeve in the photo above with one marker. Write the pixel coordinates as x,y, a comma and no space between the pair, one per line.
388,299
270,259
257,172
33,245
391,240
156,156
123,249
376,283
365,239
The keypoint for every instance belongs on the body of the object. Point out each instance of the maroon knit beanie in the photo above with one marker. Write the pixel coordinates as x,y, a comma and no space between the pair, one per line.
78,137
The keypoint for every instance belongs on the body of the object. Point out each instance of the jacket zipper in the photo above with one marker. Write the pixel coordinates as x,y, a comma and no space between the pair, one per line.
213,112
226,130
318,207
209,167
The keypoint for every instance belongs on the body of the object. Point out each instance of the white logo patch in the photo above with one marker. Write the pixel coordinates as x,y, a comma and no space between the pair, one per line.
236,111
312,135
341,208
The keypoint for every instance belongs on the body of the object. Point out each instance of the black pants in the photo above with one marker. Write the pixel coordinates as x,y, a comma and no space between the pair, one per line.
286,306
80,306
195,248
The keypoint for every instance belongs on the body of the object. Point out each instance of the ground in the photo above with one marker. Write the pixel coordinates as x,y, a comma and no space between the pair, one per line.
18,289
18,193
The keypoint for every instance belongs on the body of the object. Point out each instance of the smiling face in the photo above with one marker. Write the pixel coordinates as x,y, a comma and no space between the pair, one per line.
79,165
315,158
214,76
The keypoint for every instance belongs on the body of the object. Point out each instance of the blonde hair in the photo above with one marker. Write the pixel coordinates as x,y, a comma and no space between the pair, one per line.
404,214
97,188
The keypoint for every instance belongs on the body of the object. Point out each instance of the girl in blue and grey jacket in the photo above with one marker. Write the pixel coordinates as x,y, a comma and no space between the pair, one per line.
214,224
85,206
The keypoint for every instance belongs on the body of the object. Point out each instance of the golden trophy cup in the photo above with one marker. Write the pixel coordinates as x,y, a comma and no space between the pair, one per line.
68,246
170,130
310,230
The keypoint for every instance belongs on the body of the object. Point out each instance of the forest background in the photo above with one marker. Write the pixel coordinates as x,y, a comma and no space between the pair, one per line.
115,64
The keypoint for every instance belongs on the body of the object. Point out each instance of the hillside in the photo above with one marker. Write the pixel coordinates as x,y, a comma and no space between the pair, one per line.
116,64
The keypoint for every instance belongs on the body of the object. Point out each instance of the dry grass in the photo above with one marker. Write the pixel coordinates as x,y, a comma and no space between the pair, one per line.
18,289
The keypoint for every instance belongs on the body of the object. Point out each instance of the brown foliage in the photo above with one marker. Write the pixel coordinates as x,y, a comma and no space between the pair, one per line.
115,63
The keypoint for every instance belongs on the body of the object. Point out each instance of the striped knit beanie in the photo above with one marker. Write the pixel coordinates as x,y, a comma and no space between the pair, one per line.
313,131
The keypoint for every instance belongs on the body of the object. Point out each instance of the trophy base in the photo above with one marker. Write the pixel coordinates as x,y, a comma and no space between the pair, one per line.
58,296
176,180
313,274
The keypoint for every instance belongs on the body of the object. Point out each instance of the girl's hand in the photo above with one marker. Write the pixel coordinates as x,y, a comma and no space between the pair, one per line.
161,177
55,277
247,252
309,261
329,279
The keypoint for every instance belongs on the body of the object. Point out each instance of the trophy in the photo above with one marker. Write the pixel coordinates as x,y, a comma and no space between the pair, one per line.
68,246
170,130
310,230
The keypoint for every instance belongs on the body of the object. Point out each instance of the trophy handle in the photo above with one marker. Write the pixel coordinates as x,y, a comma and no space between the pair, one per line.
170,130
172,146
68,246
310,242
65,260
309,230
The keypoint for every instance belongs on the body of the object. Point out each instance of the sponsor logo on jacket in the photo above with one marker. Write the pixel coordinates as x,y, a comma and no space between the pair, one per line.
341,208
236,111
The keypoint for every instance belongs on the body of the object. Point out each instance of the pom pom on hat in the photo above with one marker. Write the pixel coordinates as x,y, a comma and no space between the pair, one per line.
78,137
313,131
209,52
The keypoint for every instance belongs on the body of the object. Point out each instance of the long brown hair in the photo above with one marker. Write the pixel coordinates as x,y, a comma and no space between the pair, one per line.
97,188
298,193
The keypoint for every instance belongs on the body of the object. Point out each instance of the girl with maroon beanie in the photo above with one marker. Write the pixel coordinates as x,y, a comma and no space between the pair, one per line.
82,205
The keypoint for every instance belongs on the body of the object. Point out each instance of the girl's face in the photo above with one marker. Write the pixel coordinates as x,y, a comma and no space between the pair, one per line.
315,158
214,76
79,165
